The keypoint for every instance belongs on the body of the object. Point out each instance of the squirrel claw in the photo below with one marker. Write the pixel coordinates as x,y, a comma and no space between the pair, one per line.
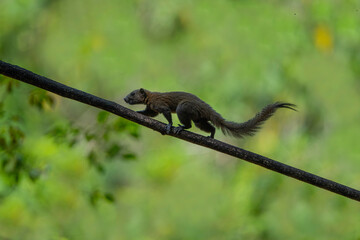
179,129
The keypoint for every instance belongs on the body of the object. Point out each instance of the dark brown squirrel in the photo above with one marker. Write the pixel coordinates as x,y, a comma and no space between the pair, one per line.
189,107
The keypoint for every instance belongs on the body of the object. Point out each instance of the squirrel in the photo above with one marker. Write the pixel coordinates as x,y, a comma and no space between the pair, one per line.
189,107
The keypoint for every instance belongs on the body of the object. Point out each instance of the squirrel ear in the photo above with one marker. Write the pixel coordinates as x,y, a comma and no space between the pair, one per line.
142,91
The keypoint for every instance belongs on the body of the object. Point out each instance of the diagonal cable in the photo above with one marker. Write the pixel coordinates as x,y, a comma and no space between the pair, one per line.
29,77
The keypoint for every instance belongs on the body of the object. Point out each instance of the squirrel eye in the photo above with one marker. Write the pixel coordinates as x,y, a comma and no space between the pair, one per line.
132,94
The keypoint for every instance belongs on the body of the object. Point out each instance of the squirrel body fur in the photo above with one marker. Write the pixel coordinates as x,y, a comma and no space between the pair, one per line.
189,108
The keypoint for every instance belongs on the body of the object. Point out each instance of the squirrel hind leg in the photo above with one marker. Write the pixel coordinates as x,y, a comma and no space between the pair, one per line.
185,120
185,113
204,125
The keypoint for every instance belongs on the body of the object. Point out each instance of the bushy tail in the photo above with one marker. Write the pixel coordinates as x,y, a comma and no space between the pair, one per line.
249,127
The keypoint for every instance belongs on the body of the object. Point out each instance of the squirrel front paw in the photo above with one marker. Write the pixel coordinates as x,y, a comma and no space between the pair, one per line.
168,128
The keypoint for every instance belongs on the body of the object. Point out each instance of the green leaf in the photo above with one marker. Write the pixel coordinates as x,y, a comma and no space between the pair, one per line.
100,168
72,142
109,197
10,85
94,197
3,144
48,99
129,156
102,116
40,98
75,131
92,158
2,111
15,134
106,135
113,150
59,132
119,125
34,174
89,136
134,132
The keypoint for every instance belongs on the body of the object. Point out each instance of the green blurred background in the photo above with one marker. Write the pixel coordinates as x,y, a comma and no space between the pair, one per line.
69,171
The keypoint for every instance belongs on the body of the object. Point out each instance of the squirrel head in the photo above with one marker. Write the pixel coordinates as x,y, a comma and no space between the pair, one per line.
137,96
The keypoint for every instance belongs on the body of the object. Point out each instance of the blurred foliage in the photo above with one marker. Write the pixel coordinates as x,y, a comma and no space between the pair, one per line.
60,177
